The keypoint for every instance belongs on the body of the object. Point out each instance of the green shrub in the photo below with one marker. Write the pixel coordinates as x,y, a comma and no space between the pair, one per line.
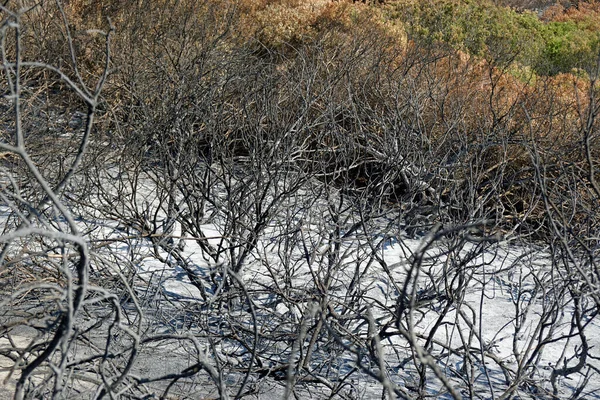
481,28
567,46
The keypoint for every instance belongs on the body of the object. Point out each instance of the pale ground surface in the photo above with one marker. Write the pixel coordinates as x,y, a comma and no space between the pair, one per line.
498,276
497,308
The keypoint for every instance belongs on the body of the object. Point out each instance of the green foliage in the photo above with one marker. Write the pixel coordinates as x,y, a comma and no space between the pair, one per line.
501,34
567,46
